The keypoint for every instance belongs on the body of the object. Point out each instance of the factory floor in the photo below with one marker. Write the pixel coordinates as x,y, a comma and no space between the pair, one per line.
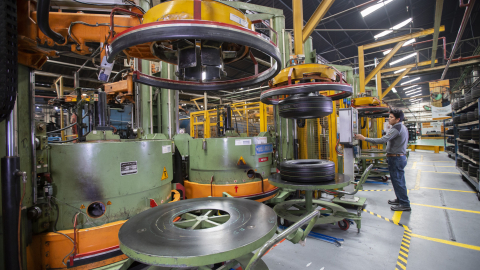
444,224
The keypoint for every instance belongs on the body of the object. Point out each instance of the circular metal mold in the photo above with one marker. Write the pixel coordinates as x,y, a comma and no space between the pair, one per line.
369,111
152,238
195,29
341,180
270,96
307,170
305,107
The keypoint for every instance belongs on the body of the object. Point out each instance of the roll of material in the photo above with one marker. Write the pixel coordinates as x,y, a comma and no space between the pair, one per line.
307,170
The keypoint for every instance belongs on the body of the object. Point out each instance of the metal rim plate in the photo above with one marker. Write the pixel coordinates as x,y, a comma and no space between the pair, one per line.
195,29
268,96
341,180
151,237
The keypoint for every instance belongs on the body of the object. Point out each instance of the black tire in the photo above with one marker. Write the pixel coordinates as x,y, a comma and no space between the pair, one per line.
475,93
461,103
305,107
457,120
465,134
464,118
468,98
8,57
472,170
307,170
471,116
372,111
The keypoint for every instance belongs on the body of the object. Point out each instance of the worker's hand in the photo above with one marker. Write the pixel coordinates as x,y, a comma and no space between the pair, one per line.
360,137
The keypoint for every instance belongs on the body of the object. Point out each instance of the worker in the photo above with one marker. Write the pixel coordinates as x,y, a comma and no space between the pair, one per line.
396,139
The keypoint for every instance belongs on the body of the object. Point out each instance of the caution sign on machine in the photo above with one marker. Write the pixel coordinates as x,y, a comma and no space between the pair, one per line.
164,174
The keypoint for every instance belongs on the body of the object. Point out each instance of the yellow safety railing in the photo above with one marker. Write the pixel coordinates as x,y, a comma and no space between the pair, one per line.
247,119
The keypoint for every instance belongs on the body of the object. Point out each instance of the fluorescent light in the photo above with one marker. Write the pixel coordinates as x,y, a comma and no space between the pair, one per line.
204,75
409,87
403,58
410,81
400,70
413,93
404,44
412,90
371,9
398,26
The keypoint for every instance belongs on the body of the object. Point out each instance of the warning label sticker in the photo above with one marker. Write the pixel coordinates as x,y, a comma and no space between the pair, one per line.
243,142
166,149
127,168
164,174
238,20
263,159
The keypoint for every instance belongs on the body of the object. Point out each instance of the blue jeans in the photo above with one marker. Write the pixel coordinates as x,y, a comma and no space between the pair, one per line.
396,166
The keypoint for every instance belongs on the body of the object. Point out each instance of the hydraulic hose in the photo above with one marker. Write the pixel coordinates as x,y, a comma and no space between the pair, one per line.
43,11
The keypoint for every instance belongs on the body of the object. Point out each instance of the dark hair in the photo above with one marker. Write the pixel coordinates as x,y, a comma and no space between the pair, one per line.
398,114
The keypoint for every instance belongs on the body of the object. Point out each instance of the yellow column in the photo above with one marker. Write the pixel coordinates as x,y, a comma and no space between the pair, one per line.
298,25
361,69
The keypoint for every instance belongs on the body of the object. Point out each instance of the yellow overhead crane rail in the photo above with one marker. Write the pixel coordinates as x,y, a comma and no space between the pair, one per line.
378,69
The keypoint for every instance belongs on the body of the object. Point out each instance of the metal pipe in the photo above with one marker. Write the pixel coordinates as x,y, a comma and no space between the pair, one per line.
466,16
43,12
56,75
11,133
169,105
32,135
272,242
177,115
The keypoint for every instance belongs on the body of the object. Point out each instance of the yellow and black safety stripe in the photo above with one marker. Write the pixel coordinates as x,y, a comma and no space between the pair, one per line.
389,220
376,190
405,245
402,259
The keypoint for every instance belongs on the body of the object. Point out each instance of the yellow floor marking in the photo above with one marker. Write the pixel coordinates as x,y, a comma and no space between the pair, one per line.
406,244
397,216
447,242
403,260
448,208
404,254
403,267
414,165
404,248
417,182
467,191
443,172
406,240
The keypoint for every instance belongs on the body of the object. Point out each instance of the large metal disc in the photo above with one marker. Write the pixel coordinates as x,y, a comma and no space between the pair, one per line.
201,30
272,96
211,230
305,107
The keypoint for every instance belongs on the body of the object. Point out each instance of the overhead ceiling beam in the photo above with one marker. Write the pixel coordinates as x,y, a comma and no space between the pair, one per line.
424,63
402,38
436,26
315,19
394,83
425,70
383,62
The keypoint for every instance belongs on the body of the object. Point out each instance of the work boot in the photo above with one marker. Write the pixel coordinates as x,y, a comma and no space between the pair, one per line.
393,202
400,207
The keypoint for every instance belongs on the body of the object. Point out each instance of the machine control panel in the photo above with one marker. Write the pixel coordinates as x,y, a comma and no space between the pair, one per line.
348,119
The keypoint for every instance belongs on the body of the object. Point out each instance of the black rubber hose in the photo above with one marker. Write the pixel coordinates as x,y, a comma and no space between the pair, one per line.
364,123
43,12
119,74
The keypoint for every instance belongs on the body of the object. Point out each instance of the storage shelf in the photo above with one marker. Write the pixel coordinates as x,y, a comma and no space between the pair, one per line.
469,141
449,135
450,144
467,158
448,152
469,123
467,107
471,179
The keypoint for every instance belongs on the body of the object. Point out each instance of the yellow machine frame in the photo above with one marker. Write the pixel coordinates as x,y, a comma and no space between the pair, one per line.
240,108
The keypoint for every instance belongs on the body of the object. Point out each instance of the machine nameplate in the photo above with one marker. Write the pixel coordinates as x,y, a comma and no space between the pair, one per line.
166,149
243,142
127,168
262,149
238,20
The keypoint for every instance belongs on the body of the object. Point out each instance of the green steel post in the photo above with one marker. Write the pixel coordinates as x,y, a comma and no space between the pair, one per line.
310,53
164,101
145,89
308,201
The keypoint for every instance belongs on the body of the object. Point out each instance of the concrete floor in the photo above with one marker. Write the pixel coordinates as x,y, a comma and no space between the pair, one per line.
434,142
433,182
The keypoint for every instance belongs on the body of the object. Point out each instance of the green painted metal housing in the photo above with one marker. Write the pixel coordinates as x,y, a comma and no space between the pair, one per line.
228,159
86,173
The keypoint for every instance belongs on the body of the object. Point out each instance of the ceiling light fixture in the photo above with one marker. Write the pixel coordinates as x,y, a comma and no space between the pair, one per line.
371,9
404,44
407,82
394,90
403,58
398,26
413,90
410,87
400,70
413,93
